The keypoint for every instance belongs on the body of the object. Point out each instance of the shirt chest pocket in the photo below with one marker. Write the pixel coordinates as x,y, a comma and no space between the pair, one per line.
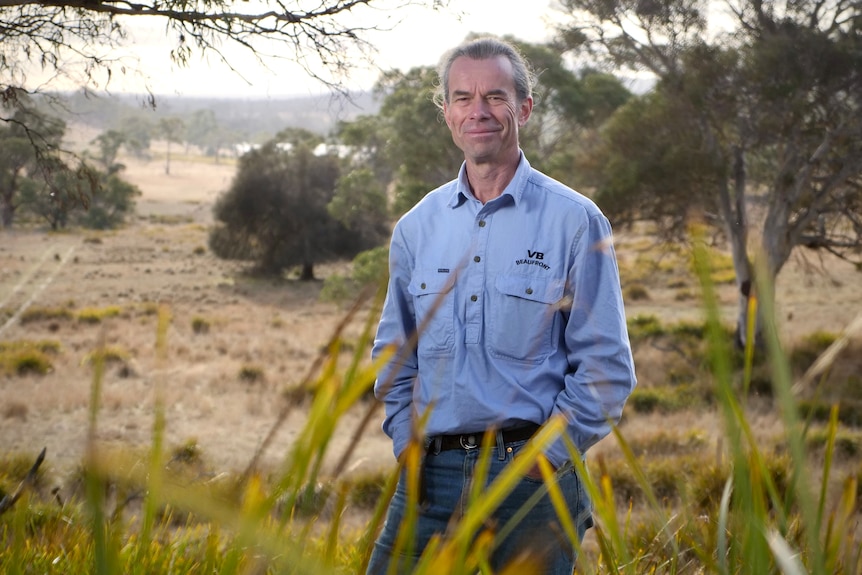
524,321
434,305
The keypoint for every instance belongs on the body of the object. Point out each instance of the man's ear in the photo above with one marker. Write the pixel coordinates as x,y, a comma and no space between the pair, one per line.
525,109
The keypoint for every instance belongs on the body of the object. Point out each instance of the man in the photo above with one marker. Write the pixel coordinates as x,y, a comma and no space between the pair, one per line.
508,282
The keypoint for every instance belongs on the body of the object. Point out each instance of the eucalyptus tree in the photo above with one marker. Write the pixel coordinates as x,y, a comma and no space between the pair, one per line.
28,148
172,129
51,45
277,211
418,146
570,105
763,113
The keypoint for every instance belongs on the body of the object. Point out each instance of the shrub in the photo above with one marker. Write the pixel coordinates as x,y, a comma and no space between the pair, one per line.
636,292
665,399
668,443
251,373
96,315
14,467
644,326
366,490
24,361
311,500
200,325
806,352
188,452
705,487
849,411
15,410
847,444
107,355
44,345
372,266
337,289
34,314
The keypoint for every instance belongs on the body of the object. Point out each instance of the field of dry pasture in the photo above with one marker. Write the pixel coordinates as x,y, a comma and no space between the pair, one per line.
235,343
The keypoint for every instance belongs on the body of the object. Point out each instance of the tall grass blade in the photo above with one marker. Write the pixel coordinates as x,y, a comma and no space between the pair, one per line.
724,528
785,557
155,476
105,558
782,388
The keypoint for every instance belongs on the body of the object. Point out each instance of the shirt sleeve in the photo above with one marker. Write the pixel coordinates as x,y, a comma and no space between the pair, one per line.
395,380
601,369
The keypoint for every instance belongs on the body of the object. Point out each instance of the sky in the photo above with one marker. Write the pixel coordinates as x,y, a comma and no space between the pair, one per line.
417,38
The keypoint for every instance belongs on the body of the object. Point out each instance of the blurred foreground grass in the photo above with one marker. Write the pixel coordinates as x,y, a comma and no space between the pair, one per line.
661,506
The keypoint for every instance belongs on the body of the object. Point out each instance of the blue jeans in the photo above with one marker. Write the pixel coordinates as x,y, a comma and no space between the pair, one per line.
448,476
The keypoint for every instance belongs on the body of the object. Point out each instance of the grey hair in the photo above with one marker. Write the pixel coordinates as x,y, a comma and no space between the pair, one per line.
484,49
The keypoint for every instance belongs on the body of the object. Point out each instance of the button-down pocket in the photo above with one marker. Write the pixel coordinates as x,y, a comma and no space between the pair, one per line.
433,301
524,316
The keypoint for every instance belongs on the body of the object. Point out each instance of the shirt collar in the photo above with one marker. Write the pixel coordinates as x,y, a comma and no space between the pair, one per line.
515,188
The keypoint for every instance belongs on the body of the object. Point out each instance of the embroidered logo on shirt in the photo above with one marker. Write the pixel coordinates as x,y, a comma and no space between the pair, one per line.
534,258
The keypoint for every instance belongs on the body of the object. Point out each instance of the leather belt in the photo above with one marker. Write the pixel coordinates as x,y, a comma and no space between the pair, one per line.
468,441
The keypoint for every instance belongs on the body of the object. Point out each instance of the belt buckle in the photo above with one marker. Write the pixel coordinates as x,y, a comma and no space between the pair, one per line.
468,442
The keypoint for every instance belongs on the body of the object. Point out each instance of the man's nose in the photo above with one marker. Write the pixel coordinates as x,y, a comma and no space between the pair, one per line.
479,108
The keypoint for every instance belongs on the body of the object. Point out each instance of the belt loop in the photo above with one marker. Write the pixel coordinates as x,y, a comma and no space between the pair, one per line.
501,446
436,443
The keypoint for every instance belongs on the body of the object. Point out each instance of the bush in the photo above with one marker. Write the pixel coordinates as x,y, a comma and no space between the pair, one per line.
34,314
338,289
805,353
251,373
636,292
366,490
644,326
200,325
106,355
847,444
96,315
22,358
665,399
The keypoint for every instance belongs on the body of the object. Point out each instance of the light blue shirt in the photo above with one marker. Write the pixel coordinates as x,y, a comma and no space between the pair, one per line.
518,308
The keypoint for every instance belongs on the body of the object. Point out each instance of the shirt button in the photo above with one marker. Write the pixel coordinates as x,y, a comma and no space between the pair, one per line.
422,286
529,291
477,259
473,298
482,224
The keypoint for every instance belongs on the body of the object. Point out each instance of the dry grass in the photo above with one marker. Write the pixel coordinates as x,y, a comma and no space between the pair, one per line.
272,331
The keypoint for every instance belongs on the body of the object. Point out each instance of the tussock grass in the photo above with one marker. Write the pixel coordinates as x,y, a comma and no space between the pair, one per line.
251,373
34,314
636,292
109,354
201,325
94,315
665,502
23,357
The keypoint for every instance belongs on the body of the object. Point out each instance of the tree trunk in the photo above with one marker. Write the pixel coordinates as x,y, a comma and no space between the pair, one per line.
7,212
307,273
735,216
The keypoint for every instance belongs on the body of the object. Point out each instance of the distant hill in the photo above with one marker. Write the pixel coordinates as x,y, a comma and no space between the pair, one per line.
256,119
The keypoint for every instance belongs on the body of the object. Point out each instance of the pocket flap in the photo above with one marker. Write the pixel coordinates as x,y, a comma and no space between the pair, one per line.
531,288
431,281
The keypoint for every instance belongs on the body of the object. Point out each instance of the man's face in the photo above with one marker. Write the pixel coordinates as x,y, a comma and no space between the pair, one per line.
482,111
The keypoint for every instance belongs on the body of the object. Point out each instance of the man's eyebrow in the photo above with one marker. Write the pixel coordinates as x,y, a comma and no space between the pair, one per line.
494,92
